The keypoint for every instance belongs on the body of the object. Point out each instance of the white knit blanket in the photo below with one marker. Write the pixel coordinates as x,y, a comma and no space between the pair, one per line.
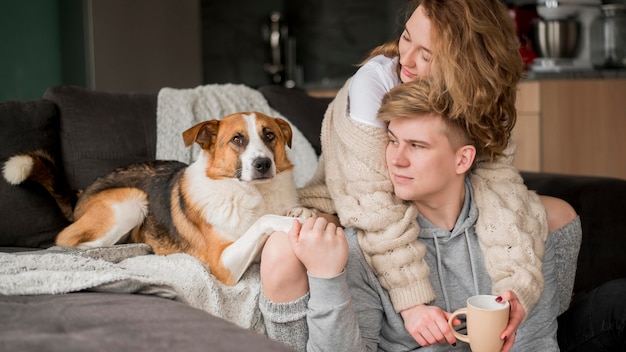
180,109
132,269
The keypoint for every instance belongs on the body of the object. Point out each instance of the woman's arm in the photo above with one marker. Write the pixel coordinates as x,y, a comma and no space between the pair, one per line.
358,182
511,229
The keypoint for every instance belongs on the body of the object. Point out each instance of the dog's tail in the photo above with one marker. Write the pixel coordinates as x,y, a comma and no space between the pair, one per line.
38,166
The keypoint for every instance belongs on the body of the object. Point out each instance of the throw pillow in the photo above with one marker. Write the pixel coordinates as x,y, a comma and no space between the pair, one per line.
30,216
102,131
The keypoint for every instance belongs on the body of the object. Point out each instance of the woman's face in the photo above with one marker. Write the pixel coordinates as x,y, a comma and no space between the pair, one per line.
414,47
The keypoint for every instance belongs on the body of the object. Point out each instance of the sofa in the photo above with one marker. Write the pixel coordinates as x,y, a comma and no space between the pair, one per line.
90,133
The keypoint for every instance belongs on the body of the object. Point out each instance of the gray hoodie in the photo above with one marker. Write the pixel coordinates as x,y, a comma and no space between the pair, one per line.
352,312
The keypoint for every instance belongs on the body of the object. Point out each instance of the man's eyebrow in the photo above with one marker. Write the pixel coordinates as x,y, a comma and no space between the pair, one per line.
410,141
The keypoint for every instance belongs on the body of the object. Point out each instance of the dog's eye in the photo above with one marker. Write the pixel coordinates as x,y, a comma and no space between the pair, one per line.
237,140
269,136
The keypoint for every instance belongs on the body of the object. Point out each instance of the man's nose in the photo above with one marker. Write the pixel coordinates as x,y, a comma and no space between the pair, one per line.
397,157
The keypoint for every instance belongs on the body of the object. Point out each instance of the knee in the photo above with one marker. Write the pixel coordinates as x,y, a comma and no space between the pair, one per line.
559,212
283,277
277,258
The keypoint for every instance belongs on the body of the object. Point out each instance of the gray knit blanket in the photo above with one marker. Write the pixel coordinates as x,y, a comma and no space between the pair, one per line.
132,268
180,109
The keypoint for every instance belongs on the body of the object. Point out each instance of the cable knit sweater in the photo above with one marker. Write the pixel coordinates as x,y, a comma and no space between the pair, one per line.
352,181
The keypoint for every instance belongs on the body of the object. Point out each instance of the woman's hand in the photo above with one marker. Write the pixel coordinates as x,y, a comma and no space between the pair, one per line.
429,325
321,246
516,316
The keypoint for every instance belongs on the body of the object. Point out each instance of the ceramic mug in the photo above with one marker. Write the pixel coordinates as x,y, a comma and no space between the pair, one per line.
486,320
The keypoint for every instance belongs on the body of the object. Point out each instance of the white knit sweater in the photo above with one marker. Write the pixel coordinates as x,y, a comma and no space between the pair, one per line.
352,181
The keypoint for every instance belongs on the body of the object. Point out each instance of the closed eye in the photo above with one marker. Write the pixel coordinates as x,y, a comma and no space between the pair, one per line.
405,35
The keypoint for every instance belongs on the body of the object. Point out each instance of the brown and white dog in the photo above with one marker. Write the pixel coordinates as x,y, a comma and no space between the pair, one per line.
220,209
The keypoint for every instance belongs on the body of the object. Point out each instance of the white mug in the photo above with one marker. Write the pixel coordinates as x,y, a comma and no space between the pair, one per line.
486,320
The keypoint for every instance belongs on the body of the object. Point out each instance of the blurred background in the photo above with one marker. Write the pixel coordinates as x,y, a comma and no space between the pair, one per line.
144,45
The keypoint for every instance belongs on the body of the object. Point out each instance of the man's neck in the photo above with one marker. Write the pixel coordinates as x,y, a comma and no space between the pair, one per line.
443,210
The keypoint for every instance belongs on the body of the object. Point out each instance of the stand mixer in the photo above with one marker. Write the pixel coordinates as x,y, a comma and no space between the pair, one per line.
568,13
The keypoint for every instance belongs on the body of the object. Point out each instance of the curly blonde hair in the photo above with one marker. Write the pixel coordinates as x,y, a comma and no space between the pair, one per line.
476,60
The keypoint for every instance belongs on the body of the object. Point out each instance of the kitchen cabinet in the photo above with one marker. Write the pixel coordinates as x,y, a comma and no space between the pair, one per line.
574,126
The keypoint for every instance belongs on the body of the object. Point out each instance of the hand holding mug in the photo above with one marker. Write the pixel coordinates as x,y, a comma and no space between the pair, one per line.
516,316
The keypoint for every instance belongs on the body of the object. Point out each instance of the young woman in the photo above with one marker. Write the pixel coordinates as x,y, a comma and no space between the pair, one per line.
469,49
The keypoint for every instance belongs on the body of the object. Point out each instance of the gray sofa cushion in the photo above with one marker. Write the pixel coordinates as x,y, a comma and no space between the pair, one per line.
118,322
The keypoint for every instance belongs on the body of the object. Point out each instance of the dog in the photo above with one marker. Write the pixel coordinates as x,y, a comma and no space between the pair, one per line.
220,209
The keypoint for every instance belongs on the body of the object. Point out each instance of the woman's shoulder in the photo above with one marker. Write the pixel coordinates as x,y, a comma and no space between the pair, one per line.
380,69
382,60
368,86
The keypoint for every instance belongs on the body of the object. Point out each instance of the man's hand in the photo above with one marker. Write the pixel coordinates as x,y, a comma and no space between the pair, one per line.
429,325
321,247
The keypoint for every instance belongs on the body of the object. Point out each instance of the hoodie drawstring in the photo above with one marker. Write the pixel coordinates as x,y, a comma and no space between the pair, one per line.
440,271
471,256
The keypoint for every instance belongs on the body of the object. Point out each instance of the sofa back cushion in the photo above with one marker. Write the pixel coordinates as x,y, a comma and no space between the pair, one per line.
102,131
30,216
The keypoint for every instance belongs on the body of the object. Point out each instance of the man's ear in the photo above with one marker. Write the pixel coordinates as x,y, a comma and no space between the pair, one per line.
465,158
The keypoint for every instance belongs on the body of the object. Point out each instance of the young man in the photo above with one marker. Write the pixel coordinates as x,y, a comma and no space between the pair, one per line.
429,156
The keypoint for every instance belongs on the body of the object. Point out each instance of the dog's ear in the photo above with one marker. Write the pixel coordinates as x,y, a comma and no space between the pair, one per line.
285,129
203,133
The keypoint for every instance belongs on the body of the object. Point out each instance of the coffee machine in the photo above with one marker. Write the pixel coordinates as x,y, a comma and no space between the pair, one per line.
563,34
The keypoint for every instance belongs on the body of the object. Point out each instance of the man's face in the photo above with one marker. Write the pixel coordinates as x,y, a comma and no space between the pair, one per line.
421,162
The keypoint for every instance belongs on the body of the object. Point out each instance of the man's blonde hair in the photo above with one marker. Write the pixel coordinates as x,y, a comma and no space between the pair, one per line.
420,98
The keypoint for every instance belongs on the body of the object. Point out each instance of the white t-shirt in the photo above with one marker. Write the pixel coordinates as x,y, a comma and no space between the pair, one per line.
368,86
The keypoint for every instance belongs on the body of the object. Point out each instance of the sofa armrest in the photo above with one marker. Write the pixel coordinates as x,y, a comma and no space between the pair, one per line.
600,203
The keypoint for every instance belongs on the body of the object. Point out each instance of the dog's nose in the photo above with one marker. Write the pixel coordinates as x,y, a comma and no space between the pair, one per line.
261,165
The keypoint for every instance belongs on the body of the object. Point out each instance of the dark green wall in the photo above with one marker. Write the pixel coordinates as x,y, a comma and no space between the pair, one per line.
35,53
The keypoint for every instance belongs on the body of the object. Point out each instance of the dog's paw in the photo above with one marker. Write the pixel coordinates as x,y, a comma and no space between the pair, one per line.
302,213
269,223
